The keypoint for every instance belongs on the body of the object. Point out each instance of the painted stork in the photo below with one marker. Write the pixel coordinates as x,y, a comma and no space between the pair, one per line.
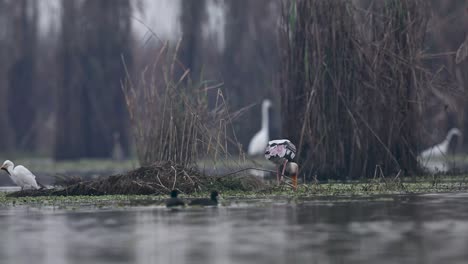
441,149
174,201
260,139
212,201
282,153
20,175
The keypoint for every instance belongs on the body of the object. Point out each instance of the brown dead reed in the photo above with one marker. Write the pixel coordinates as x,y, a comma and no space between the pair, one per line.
352,84
170,114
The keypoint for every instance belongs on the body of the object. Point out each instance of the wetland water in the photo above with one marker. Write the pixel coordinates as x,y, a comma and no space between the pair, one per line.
389,229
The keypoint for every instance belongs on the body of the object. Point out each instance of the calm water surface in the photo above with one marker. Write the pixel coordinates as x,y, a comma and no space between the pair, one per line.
390,229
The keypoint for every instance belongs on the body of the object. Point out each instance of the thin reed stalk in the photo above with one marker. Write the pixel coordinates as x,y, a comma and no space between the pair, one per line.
170,115
352,83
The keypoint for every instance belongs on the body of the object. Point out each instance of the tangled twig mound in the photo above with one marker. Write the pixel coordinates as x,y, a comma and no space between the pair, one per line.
156,179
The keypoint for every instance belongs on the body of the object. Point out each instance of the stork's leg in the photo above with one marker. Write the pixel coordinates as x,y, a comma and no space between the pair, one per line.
278,174
294,181
284,169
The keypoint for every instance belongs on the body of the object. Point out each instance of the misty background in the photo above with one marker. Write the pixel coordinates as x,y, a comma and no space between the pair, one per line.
62,68
61,71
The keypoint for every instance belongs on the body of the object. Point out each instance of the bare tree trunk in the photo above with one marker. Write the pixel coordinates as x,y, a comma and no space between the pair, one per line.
91,103
70,137
6,133
192,17
108,40
19,73
250,60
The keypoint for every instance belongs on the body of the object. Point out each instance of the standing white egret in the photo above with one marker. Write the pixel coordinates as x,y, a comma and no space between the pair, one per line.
282,153
432,159
20,175
441,149
260,139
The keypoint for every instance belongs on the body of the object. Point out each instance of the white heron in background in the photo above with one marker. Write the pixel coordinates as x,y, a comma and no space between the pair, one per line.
282,153
430,158
259,141
20,175
117,149
441,149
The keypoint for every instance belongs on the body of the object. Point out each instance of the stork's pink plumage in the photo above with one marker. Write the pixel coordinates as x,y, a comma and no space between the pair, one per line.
280,152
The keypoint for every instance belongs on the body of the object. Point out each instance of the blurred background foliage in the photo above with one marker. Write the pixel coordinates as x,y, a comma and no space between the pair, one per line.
62,70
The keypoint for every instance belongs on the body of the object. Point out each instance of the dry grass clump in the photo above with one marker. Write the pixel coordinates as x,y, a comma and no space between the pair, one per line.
352,84
170,114
158,178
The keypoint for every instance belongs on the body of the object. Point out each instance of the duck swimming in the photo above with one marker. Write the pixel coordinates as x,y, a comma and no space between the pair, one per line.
174,201
213,201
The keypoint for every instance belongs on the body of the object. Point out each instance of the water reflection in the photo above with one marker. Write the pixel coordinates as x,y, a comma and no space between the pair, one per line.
397,229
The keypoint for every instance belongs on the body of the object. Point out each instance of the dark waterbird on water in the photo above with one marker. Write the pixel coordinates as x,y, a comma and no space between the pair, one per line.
213,201
174,201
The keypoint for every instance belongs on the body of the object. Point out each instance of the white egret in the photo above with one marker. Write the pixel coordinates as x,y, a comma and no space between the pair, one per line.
441,149
282,153
259,141
432,158
20,175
